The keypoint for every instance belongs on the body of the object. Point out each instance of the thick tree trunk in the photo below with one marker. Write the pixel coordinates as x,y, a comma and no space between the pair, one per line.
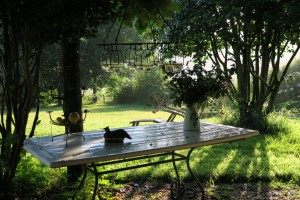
72,93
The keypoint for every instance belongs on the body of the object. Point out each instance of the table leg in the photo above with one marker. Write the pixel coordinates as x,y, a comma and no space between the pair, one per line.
176,184
193,175
83,176
96,181
178,190
83,179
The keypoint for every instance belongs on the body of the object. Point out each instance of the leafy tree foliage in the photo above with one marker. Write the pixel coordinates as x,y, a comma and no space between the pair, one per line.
26,27
141,14
246,38
51,64
92,74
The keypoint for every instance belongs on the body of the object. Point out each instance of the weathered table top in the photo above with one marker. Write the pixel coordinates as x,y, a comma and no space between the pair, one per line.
150,139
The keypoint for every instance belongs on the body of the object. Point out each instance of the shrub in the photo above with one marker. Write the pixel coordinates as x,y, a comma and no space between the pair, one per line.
146,84
138,88
272,124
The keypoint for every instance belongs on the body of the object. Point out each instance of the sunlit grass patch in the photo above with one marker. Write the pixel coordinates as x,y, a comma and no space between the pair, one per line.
273,158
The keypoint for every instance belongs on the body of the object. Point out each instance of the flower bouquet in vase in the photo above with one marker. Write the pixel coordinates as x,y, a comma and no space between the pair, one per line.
193,87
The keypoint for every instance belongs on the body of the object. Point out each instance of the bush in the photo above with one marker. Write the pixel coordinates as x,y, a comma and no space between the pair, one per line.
115,86
272,124
288,105
46,98
147,83
290,88
125,95
138,88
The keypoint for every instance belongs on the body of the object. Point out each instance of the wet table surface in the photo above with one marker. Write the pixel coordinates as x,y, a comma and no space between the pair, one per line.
146,140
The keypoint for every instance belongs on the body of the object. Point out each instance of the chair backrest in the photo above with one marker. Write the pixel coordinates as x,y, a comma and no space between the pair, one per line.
173,113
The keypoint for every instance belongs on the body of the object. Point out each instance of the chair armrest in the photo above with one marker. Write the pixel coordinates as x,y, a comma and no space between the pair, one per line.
157,120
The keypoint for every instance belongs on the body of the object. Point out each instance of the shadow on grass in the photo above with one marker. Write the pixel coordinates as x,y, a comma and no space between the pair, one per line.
235,162
250,163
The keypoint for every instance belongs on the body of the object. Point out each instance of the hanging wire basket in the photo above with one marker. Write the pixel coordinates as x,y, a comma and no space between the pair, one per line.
137,55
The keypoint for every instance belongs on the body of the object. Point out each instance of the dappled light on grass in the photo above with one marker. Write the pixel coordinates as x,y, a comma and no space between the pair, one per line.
272,157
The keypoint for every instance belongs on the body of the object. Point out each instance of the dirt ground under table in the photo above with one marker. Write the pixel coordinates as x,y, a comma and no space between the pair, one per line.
234,191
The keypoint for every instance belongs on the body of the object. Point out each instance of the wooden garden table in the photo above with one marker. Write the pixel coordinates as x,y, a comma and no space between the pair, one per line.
148,142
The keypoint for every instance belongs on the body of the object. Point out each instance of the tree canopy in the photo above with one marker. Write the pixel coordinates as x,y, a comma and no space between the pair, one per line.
245,38
26,27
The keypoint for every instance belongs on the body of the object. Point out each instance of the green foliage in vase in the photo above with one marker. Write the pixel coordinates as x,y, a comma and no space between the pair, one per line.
195,85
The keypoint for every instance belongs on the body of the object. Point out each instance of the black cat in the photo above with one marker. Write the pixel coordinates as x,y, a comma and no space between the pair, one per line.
116,135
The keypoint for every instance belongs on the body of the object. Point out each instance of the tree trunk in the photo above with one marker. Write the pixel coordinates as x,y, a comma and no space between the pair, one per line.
95,96
72,93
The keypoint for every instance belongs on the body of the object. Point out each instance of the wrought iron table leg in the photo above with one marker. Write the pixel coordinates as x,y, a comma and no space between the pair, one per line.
175,185
82,180
178,190
96,181
83,176
193,175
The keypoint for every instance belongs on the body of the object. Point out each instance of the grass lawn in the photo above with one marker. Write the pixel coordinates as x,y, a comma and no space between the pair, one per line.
271,159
